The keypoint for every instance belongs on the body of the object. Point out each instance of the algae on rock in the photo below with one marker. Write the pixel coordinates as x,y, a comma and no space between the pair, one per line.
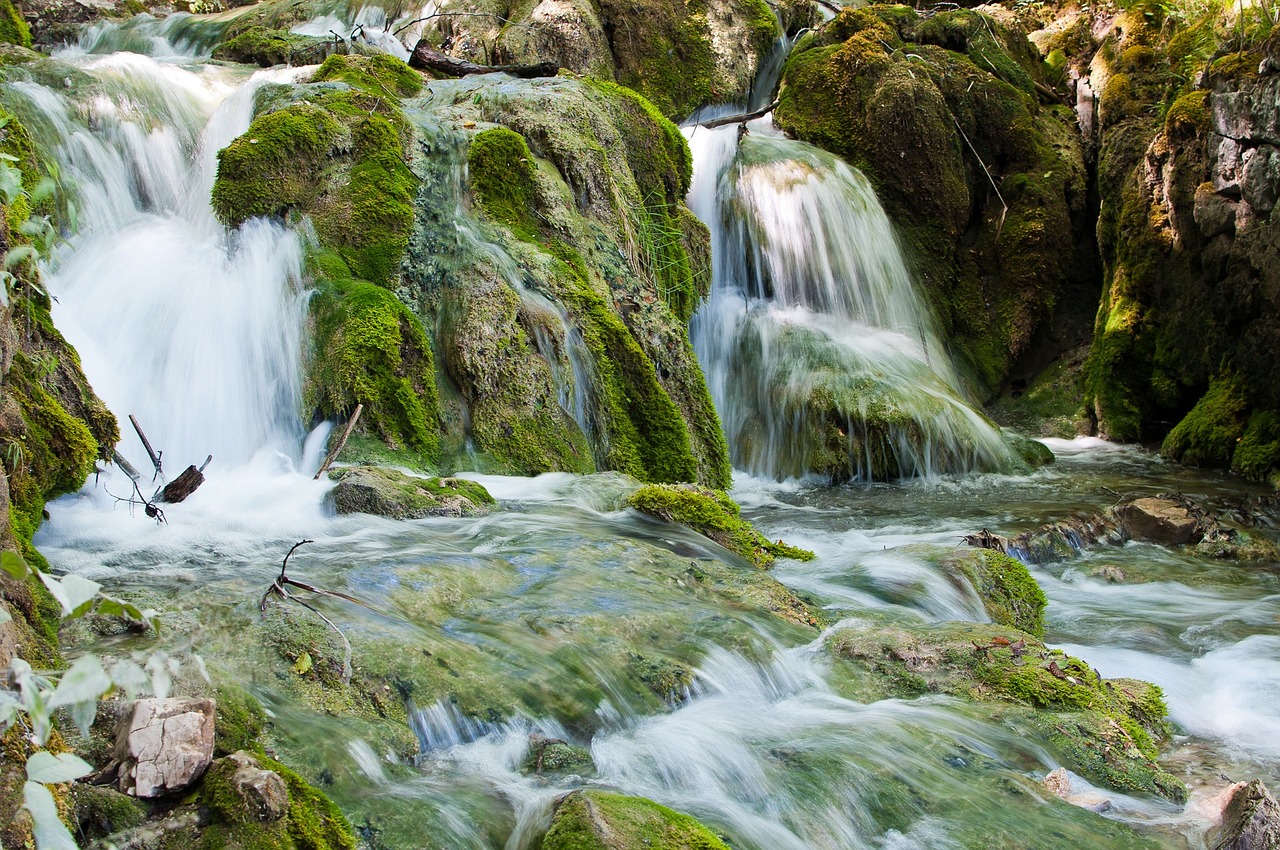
599,820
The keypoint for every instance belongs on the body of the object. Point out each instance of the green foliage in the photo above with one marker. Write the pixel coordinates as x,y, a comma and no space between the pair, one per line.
370,349
1208,435
712,514
598,820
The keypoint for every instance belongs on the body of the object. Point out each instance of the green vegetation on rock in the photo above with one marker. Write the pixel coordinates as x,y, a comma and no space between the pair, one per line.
1007,590
390,493
13,28
712,514
1107,728
1209,434
598,820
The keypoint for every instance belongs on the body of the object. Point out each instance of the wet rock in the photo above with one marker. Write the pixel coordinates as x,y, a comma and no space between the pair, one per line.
1008,592
586,819
261,794
389,493
1058,782
552,755
1251,820
164,746
1157,520
1110,573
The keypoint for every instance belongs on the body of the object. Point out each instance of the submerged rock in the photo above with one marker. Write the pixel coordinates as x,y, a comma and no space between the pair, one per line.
552,755
390,493
1007,590
713,514
597,820
165,745
1158,520
1106,729
1251,820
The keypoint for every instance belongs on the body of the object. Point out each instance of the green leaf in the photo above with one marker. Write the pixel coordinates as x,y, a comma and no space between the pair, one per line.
303,665
18,254
130,678
84,682
71,592
44,766
49,830
12,563
4,617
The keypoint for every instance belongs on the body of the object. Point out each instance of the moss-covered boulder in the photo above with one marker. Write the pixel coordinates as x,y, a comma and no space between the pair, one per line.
1106,729
598,820
713,514
389,493
554,756
986,184
562,308
1008,592
13,29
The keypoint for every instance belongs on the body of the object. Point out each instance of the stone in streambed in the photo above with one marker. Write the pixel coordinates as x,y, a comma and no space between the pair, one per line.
1251,820
164,746
390,493
1157,520
596,820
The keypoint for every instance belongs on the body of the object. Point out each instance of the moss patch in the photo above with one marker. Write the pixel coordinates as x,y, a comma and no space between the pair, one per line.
390,493
597,820
370,349
1208,435
1008,591
713,514
13,28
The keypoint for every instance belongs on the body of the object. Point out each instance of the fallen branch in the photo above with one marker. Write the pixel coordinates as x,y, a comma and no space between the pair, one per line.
739,119
426,57
342,441
146,444
280,586
183,486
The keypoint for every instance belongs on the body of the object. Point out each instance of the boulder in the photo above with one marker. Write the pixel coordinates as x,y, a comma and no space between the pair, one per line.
261,794
1251,820
164,746
1155,520
596,820
389,493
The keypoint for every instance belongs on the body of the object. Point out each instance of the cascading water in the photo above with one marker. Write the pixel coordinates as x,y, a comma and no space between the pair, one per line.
819,354
194,330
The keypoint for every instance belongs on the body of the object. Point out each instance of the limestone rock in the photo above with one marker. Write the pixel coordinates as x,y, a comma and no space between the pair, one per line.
389,493
1158,521
599,819
1251,820
1058,782
165,745
262,792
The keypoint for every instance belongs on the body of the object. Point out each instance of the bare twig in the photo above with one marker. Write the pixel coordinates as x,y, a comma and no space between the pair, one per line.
739,119
146,444
342,441
1004,212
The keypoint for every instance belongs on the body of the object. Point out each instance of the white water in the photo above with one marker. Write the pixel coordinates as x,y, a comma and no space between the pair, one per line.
812,312
196,331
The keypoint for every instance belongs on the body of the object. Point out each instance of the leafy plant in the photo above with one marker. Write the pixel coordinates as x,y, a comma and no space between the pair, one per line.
32,698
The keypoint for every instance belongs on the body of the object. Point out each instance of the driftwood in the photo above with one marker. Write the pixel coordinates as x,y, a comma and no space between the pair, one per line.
182,486
426,57
342,441
739,119
146,444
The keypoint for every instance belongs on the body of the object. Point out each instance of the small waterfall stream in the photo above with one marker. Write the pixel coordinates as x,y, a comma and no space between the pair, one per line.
813,322
544,604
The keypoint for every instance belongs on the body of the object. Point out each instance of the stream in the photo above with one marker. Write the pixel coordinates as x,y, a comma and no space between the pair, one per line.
557,614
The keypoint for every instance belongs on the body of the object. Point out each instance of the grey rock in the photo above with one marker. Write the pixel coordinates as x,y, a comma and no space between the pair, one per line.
164,746
1260,179
1251,820
1214,213
262,792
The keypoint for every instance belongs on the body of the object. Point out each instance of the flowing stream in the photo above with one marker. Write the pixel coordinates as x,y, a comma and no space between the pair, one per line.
565,616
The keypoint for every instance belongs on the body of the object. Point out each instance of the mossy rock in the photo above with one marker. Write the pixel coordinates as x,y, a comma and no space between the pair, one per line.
989,663
386,492
264,47
553,756
13,28
712,514
1209,434
100,812
372,350
1009,593
1257,455
598,820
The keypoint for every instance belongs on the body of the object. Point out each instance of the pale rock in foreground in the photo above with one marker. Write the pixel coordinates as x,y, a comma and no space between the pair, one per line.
164,745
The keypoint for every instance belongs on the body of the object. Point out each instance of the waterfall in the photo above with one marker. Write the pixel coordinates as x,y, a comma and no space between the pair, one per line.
820,355
194,330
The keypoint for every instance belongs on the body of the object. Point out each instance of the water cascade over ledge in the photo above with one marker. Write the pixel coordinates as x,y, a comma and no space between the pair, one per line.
820,355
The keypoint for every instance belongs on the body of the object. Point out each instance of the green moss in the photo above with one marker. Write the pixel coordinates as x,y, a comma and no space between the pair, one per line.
501,173
662,49
238,722
391,493
371,350
713,514
381,73
1258,452
1237,66
267,47
99,812
763,27
312,822
1208,435
1188,114
1008,591
597,820
1106,729
13,28
668,680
